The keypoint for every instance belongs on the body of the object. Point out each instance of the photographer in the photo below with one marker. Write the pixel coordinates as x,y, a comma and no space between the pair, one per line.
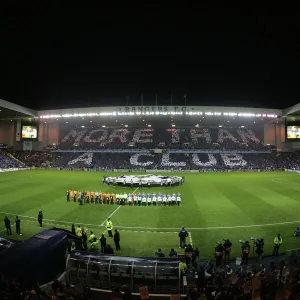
219,254
259,245
227,249
189,252
245,251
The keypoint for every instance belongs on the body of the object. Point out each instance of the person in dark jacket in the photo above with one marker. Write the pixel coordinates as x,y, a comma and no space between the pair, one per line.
183,234
173,253
117,240
109,250
103,243
196,253
245,252
18,226
227,249
7,225
201,280
84,238
259,245
219,254
40,218
73,229
159,253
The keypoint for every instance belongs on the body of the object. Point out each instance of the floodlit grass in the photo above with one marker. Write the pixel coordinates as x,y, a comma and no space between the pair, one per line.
214,206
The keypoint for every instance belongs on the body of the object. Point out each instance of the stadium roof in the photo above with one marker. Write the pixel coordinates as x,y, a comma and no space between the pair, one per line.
293,110
11,110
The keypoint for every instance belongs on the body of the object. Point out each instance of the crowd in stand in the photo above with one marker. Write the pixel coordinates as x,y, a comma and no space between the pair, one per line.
270,282
34,158
7,162
173,161
165,138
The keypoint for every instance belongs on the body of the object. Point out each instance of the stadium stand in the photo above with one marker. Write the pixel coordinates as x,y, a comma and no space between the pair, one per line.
278,280
34,158
165,138
8,162
166,161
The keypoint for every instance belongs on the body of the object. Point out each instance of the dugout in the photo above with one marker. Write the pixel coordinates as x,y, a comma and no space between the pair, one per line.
108,271
37,260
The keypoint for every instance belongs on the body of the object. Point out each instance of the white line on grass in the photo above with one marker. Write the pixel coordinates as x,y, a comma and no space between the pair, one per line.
191,240
102,224
282,181
155,228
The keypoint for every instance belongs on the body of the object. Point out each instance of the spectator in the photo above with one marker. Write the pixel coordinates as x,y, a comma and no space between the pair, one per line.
159,253
108,249
173,253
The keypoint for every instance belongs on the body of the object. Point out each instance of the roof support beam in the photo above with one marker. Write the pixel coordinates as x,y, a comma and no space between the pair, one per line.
18,108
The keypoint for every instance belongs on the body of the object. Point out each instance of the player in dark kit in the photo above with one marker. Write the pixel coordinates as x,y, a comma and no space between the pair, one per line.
40,218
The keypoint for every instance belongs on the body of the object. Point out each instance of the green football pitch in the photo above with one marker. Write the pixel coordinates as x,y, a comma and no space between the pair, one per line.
214,206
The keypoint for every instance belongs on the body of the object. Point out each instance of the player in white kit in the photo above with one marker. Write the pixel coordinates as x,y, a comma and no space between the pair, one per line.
164,199
169,199
129,199
178,199
144,200
173,199
154,199
159,199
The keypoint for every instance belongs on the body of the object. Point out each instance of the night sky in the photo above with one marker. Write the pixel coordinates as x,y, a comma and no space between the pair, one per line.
63,57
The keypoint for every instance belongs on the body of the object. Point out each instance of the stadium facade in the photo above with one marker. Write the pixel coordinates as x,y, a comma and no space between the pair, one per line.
53,124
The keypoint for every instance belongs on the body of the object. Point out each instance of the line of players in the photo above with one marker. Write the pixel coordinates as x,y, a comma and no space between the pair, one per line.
124,198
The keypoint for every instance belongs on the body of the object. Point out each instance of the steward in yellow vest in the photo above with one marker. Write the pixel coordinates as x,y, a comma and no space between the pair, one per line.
277,244
109,227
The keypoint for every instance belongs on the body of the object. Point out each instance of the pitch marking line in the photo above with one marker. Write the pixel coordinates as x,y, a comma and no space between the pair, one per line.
136,231
153,229
102,224
191,240
282,181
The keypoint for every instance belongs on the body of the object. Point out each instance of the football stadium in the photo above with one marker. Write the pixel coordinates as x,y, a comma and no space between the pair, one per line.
221,173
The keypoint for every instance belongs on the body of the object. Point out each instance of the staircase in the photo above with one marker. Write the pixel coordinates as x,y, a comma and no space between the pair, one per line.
14,158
